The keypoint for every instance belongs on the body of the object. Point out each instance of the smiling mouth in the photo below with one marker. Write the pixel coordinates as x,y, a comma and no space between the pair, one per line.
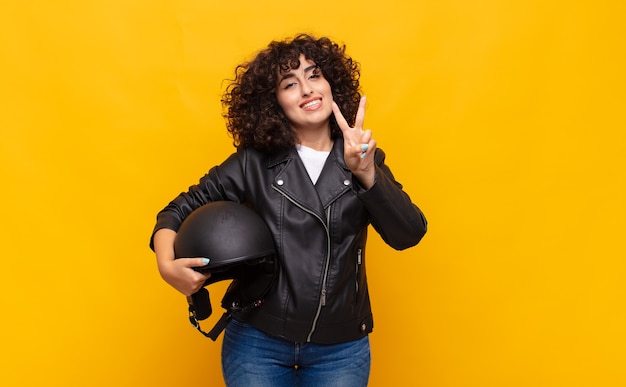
311,104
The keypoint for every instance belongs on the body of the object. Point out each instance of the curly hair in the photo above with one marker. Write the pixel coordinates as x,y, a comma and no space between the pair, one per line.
254,117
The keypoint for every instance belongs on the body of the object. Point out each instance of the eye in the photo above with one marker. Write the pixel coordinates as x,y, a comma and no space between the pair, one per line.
316,73
288,85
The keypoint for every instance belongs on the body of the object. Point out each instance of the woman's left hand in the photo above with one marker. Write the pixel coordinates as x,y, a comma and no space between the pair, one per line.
359,146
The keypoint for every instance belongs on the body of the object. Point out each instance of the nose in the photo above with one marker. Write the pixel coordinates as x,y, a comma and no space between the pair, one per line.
306,89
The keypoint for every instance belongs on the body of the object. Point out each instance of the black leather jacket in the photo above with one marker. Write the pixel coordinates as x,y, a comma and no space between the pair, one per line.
320,232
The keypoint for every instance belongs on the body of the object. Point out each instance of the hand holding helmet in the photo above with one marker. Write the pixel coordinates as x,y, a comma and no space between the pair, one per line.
179,273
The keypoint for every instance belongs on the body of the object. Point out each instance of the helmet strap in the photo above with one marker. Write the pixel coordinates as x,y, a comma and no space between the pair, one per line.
217,329
222,322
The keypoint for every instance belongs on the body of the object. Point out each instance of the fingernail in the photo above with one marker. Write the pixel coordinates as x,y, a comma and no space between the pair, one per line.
363,154
205,261
364,147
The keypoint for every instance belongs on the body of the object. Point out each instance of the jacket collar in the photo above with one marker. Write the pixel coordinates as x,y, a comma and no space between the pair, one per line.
288,154
293,179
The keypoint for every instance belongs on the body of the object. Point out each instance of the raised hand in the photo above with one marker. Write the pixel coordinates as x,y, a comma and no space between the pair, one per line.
359,146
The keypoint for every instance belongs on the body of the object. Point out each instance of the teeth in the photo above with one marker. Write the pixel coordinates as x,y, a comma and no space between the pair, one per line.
311,104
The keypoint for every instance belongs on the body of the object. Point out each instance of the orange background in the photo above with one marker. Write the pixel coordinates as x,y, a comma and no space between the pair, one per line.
504,120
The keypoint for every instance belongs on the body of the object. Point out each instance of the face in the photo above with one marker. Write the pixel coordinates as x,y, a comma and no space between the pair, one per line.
305,96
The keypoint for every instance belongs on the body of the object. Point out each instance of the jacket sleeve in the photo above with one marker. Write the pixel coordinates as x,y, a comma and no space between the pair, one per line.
400,223
223,182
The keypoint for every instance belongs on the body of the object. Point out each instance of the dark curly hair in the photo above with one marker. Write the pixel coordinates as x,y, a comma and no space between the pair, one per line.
254,117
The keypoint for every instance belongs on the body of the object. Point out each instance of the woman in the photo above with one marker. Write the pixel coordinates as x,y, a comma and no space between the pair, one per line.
306,165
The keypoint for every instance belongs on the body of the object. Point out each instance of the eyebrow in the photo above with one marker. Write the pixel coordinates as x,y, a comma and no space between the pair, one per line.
291,74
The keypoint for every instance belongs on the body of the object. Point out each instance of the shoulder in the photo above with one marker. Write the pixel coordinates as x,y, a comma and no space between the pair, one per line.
250,153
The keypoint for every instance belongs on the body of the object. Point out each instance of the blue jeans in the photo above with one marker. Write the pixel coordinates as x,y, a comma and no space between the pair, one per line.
251,358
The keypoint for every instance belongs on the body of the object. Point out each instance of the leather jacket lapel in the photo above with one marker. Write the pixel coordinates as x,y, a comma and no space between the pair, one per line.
293,180
335,178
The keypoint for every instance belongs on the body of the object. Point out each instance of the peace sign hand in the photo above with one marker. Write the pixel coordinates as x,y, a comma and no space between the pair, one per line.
359,146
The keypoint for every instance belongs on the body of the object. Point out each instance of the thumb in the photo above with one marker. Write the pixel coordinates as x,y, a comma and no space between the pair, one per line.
198,262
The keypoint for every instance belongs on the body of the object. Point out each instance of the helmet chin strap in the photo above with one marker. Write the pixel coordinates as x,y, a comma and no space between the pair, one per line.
217,329
200,309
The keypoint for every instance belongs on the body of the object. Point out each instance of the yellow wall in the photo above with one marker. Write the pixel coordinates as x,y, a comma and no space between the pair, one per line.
503,119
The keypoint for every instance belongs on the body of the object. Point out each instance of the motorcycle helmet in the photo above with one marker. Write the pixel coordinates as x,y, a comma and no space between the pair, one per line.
240,247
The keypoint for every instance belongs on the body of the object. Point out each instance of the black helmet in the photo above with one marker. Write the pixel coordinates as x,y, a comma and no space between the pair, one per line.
240,247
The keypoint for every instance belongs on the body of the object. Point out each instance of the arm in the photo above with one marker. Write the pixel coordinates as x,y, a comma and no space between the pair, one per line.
178,273
399,222
224,182
221,183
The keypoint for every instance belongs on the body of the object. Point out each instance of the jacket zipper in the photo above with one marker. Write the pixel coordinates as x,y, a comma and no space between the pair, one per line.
324,280
327,263
359,259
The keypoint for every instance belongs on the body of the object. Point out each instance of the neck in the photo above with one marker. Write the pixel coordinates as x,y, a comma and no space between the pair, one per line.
318,140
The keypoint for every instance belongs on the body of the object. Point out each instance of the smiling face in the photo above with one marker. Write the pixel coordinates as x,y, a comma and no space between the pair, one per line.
305,97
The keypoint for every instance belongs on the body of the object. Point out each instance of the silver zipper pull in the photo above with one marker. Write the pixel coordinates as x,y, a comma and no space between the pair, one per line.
323,297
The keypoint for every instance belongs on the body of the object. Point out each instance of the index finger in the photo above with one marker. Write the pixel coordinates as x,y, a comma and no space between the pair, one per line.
341,121
360,114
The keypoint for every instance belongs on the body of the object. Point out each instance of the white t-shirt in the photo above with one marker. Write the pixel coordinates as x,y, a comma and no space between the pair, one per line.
313,160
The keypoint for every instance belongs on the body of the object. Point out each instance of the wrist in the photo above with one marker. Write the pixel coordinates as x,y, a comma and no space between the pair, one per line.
366,180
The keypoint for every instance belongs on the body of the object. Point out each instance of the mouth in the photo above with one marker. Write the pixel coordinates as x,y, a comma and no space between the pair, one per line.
311,104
